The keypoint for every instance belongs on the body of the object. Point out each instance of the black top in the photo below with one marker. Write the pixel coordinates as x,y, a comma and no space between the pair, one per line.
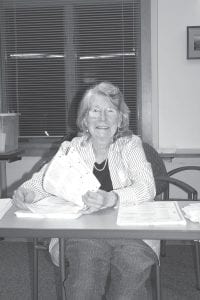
103,176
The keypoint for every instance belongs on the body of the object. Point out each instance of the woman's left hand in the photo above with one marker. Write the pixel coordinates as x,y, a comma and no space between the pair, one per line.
95,201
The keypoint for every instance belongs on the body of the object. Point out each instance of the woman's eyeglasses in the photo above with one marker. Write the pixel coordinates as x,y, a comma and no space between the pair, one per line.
97,112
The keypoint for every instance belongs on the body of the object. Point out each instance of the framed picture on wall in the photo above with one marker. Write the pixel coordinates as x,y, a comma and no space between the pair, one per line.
193,42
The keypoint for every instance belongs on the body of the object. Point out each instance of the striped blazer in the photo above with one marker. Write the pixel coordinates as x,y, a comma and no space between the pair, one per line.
131,174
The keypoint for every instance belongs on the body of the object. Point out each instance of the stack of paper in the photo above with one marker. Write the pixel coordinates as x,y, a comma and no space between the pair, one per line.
50,207
192,212
151,213
5,204
69,178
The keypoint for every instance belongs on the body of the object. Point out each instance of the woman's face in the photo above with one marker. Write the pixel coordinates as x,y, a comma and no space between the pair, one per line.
102,119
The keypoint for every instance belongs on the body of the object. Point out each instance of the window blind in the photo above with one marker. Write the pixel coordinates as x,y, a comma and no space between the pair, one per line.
51,52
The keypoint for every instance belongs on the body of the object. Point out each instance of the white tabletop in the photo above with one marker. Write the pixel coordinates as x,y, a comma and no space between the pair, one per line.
97,225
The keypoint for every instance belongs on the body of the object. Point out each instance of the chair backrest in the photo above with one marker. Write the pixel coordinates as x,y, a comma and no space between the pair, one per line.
158,167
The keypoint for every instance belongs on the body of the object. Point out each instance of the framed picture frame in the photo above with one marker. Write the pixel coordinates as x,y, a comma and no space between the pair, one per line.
193,42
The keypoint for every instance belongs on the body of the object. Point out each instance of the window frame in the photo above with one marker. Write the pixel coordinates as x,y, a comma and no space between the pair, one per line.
41,146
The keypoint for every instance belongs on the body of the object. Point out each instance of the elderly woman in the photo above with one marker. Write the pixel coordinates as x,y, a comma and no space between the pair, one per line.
117,159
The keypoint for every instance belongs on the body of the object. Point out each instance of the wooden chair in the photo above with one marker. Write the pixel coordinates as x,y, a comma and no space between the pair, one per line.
163,180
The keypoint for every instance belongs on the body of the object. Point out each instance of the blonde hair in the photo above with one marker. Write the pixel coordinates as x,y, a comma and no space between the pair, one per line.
111,92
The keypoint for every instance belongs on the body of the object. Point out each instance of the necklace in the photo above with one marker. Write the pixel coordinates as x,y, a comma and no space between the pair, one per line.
102,167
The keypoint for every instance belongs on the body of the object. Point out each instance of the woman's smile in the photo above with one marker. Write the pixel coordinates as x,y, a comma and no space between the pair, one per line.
102,127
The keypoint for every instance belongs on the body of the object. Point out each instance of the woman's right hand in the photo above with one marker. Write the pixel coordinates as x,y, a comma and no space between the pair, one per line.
21,196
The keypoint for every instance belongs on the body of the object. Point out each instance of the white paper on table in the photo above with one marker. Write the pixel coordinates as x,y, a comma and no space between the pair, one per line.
192,212
69,177
51,207
5,205
151,213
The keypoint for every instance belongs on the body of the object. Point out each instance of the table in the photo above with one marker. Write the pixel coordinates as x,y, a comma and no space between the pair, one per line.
98,225
10,157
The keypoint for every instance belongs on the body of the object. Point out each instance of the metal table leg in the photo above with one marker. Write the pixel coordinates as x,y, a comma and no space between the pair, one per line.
35,270
62,265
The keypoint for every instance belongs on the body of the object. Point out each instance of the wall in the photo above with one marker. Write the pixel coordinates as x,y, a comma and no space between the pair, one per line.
175,88
178,77
175,85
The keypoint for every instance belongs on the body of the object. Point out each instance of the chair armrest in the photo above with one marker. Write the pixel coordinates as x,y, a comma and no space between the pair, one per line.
185,168
192,193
